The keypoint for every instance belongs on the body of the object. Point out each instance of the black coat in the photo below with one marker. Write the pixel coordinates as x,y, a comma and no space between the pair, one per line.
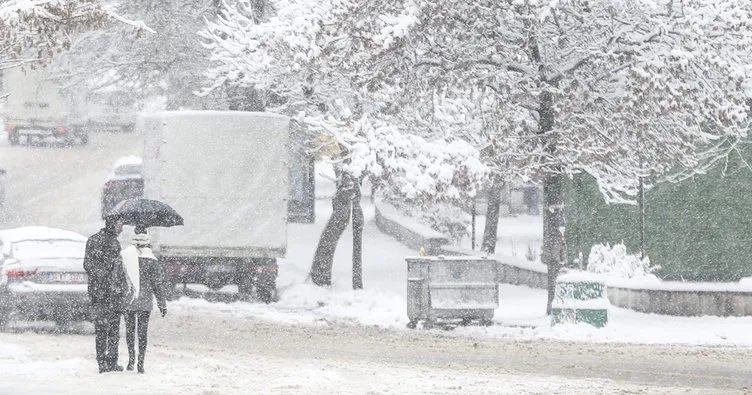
104,267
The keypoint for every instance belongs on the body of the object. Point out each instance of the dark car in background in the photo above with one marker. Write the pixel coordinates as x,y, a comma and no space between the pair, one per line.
125,182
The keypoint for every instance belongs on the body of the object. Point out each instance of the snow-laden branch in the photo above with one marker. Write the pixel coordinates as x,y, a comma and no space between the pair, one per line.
44,27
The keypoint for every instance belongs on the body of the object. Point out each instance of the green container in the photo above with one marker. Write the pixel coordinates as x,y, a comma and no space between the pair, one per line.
595,317
579,301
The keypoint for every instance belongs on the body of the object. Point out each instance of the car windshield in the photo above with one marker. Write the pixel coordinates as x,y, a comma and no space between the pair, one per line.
128,170
45,249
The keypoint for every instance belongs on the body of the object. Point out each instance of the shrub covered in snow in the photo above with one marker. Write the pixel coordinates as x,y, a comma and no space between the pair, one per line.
615,261
446,218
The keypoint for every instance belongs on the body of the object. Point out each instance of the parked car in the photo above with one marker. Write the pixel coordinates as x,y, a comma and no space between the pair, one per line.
125,182
42,275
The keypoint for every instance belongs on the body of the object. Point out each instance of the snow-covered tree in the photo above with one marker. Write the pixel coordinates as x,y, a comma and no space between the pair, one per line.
292,51
620,89
32,31
167,63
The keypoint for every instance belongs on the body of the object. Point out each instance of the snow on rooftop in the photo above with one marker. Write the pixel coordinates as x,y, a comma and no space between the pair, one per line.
131,160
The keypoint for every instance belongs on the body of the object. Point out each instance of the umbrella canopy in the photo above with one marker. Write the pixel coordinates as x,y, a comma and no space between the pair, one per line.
146,213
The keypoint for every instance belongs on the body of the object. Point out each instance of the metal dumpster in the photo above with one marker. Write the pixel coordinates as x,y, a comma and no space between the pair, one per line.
451,290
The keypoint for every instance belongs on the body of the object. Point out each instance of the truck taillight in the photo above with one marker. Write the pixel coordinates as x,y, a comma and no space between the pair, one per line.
60,130
9,127
172,268
266,269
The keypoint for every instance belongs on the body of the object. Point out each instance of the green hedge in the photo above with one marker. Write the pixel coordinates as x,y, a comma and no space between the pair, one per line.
696,230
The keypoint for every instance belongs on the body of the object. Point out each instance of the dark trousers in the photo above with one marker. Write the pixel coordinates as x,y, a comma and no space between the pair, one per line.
135,319
107,331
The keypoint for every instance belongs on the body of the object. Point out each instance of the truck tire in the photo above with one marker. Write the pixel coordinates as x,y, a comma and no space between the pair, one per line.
267,293
266,288
85,139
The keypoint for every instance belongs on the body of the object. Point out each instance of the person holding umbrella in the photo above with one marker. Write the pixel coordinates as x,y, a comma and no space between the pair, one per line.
147,279
144,273
107,287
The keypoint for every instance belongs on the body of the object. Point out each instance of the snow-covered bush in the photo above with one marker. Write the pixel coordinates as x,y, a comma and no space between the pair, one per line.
615,261
447,219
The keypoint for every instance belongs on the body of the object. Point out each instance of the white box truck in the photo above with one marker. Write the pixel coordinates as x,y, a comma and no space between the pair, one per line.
226,173
36,109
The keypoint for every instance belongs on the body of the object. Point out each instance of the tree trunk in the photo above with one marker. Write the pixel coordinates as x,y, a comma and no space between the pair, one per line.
357,222
490,233
553,253
323,258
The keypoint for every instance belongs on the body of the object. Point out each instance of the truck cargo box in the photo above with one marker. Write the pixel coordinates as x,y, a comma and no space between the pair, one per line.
226,173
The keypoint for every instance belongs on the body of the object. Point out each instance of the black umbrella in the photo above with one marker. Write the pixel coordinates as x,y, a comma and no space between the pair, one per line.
146,213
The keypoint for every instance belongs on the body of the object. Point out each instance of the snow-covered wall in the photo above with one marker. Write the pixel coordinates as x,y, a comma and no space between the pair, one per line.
409,232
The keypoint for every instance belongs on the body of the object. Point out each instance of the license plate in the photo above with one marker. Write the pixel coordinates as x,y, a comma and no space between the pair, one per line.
35,132
67,278
220,268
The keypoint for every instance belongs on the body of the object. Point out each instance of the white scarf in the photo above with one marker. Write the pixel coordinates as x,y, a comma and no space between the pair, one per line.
130,262
132,269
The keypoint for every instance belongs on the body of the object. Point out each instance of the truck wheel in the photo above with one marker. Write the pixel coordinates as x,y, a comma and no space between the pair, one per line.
84,140
266,294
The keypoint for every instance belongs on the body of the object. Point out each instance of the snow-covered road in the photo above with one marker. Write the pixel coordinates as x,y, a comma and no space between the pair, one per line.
193,352
61,187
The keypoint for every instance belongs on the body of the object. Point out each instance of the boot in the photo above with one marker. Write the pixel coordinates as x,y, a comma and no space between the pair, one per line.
131,360
141,362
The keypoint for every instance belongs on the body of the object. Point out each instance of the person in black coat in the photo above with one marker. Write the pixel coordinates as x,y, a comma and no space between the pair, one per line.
107,288
151,285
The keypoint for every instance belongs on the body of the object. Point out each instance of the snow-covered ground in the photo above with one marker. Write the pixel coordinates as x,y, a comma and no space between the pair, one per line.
211,353
383,301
